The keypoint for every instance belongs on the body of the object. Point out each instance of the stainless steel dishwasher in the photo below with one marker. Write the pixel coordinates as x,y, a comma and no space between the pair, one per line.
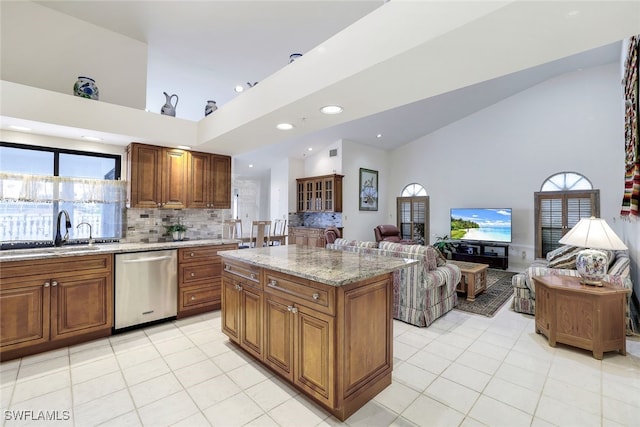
146,287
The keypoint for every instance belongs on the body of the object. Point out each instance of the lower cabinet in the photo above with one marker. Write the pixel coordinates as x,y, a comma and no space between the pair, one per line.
199,278
334,344
306,236
299,346
45,304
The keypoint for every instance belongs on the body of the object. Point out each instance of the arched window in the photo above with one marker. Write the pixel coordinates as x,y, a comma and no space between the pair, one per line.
566,181
413,190
563,199
413,213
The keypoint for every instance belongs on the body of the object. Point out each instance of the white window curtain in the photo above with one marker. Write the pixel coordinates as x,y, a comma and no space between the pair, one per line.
16,187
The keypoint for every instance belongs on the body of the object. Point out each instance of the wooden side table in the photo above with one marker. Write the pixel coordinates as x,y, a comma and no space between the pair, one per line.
474,278
583,316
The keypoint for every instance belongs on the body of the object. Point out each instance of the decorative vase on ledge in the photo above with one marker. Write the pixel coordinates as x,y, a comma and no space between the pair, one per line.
169,109
210,108
85,87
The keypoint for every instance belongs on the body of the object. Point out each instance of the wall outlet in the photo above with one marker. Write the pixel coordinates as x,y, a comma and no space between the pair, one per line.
524,254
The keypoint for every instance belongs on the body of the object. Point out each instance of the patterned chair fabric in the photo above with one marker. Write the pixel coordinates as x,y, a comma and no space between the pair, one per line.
422,292
524,293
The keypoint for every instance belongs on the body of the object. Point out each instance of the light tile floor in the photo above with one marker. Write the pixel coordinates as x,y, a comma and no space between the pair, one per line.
464,370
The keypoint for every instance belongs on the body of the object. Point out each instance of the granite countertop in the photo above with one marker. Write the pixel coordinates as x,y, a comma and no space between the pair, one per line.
330,267
102,248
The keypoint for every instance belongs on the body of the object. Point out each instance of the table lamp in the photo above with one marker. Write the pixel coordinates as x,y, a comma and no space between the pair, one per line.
593,234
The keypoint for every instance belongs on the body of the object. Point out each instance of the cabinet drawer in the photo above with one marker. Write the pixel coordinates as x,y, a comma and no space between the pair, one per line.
57,267
201,253
301,292
245,271
195,297
191,274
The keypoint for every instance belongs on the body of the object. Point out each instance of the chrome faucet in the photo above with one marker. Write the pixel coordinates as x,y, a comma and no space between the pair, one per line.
59,240
90,238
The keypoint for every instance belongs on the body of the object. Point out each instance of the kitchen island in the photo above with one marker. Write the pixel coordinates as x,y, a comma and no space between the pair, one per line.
320,319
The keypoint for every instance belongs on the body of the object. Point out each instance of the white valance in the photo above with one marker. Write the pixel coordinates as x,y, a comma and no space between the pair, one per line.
15,187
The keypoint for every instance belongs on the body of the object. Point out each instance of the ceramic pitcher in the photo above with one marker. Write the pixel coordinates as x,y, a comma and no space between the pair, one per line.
169,109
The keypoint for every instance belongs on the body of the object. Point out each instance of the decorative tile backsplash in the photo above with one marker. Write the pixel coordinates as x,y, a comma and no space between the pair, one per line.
147,225
315,219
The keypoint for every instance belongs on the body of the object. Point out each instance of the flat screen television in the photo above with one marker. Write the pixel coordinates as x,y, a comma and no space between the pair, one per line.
481,224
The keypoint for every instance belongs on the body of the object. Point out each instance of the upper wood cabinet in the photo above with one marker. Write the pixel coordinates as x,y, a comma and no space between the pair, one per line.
157,177
161,177
209,181
319,193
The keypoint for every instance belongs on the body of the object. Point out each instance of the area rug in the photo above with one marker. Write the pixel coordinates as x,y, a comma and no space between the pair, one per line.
499,289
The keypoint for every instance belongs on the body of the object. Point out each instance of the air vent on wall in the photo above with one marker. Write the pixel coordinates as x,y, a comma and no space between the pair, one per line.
333,152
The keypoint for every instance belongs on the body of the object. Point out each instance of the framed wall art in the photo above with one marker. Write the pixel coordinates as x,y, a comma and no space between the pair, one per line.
368,190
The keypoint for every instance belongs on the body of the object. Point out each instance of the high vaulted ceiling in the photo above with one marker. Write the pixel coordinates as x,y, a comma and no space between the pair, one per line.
399,68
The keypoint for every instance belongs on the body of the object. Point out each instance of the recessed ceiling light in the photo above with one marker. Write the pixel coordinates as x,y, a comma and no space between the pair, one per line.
20,128
184,147
379,135
250,166
573,13
285,126
331,109
238,88
91,138
310,148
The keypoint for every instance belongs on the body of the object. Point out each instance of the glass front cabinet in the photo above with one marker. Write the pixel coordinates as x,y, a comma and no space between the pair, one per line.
319,193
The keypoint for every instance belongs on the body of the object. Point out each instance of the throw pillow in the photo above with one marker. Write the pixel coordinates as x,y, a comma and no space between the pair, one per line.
565,258
559,252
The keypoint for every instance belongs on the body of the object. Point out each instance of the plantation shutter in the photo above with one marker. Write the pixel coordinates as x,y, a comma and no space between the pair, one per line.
412,215
557,212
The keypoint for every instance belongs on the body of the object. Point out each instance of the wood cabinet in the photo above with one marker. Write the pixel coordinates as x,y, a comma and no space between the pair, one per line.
50,303
583,316
307,236
157,177
209,181
334,344
161,177
242,298
199,279
319,193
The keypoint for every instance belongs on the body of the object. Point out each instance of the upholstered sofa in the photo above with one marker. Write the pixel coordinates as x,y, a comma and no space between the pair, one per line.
561,262
422,292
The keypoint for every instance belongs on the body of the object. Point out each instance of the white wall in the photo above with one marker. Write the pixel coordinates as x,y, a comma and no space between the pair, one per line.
279,191
320,163
499,157
46,49
360,224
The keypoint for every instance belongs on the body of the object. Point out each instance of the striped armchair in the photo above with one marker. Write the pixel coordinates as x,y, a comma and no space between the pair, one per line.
422,292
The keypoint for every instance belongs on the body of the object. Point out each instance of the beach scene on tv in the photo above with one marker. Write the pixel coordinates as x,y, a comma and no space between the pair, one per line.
492,225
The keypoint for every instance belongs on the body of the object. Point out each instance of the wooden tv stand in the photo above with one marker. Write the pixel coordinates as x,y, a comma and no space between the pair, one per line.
494,254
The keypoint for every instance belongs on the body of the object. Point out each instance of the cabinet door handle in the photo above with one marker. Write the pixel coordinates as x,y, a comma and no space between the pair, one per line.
274,282
192,254
54,283
193,298
193,274
253,275
316,296
227,267
46,284
294,310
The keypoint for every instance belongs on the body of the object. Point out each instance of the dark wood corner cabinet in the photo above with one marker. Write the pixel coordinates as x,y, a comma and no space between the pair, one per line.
162,177
494,254
199,278
51,303
319,193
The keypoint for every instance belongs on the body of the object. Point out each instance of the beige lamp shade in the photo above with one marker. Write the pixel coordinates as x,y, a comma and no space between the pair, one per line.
593,233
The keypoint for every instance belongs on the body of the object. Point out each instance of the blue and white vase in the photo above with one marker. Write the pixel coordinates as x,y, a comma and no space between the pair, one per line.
85,87
210,108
